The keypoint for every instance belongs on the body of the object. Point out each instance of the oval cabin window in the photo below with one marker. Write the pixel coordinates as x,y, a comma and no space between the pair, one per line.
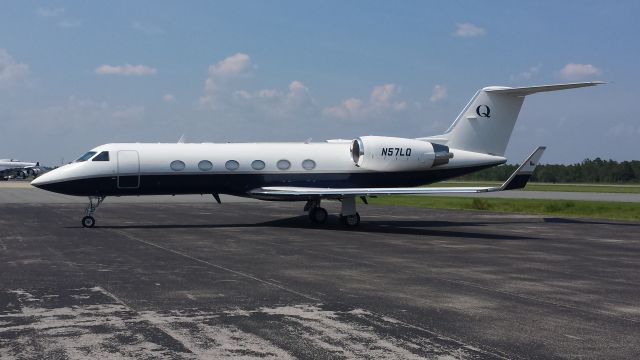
308,164
177,165
205,165
283,164
232,165
257,164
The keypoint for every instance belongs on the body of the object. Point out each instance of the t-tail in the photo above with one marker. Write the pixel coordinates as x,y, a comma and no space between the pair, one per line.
486,123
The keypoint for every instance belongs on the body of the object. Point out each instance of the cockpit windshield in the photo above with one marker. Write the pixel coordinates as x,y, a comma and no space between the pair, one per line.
86,156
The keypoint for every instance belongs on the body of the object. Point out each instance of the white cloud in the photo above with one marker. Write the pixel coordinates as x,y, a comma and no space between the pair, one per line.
11,72
468,30
350,108
439,93
219,74
233,65
223,95
381,101
578,71
296,100
126,69
168,98
49,12
298,94
146,28
527,74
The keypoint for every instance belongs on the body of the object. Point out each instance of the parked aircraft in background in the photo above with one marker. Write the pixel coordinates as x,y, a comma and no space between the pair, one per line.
310,172
16,168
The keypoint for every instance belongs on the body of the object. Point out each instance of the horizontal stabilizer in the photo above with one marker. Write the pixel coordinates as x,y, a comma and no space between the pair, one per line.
523,91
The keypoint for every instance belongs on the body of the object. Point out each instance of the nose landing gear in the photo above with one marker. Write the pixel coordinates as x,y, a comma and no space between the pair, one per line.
88,220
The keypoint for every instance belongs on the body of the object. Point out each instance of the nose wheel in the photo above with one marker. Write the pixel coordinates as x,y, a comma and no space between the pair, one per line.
88,221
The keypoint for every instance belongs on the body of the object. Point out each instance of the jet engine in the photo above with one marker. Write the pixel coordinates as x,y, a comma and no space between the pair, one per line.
382,153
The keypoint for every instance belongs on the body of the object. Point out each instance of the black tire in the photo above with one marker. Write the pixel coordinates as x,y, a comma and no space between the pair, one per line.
350,220
318,215
88,222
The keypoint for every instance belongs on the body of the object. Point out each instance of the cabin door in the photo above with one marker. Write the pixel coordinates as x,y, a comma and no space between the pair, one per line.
128,169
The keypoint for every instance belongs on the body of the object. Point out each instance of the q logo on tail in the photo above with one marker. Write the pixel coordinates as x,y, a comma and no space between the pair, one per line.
483,111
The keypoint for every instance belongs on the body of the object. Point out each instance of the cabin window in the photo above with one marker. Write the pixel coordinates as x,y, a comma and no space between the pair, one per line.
309,164
205,165
283,164
86,156
103,156
177,165
257,164
232,165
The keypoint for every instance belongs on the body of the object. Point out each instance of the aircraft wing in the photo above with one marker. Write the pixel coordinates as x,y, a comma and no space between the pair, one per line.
517,180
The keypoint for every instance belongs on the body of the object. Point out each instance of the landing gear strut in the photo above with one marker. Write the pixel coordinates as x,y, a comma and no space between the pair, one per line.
88,220
348,215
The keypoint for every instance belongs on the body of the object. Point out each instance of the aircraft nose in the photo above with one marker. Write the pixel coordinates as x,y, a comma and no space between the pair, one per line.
39,181
44,179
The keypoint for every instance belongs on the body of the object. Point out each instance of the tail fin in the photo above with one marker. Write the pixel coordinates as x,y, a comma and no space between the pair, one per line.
486,123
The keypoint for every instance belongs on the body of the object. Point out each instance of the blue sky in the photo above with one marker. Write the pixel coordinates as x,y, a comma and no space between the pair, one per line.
74,74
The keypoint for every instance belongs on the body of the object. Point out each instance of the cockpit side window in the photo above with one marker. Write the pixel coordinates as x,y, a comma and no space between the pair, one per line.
86,156
103,156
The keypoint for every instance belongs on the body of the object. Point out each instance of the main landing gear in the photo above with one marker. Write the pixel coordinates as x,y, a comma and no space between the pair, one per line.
88,220
349,217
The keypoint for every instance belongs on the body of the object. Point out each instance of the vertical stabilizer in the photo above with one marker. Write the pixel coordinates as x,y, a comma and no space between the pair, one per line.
486,123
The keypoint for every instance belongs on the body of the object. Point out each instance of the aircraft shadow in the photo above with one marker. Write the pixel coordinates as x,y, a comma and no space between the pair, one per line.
590,222
399,227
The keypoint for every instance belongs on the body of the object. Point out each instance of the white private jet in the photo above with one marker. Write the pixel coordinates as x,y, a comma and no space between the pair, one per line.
335,169
13,167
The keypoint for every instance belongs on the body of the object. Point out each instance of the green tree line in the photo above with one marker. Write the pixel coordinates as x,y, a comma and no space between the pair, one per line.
588,171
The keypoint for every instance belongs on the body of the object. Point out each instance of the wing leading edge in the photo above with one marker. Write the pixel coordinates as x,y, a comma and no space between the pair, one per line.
517,180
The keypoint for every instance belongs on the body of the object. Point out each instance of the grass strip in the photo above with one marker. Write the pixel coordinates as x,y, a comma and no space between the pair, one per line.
603,188
573,208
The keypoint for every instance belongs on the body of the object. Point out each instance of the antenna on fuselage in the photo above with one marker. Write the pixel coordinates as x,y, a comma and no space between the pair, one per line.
182,139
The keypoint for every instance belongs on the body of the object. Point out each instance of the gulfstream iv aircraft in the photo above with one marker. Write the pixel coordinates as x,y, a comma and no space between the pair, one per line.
336,169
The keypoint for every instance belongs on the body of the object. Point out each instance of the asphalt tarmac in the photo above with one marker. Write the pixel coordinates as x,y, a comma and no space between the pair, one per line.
253,280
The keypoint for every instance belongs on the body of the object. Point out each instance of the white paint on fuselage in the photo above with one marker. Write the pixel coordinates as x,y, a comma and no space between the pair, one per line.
155,159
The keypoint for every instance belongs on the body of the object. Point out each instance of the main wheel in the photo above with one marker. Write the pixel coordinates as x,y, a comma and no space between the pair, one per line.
88,221
318,215
350,220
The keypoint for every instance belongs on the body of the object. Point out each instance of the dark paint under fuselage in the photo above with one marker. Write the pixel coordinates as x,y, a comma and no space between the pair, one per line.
241,184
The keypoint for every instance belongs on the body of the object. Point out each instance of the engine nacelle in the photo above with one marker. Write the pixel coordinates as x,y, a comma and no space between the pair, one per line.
382,153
